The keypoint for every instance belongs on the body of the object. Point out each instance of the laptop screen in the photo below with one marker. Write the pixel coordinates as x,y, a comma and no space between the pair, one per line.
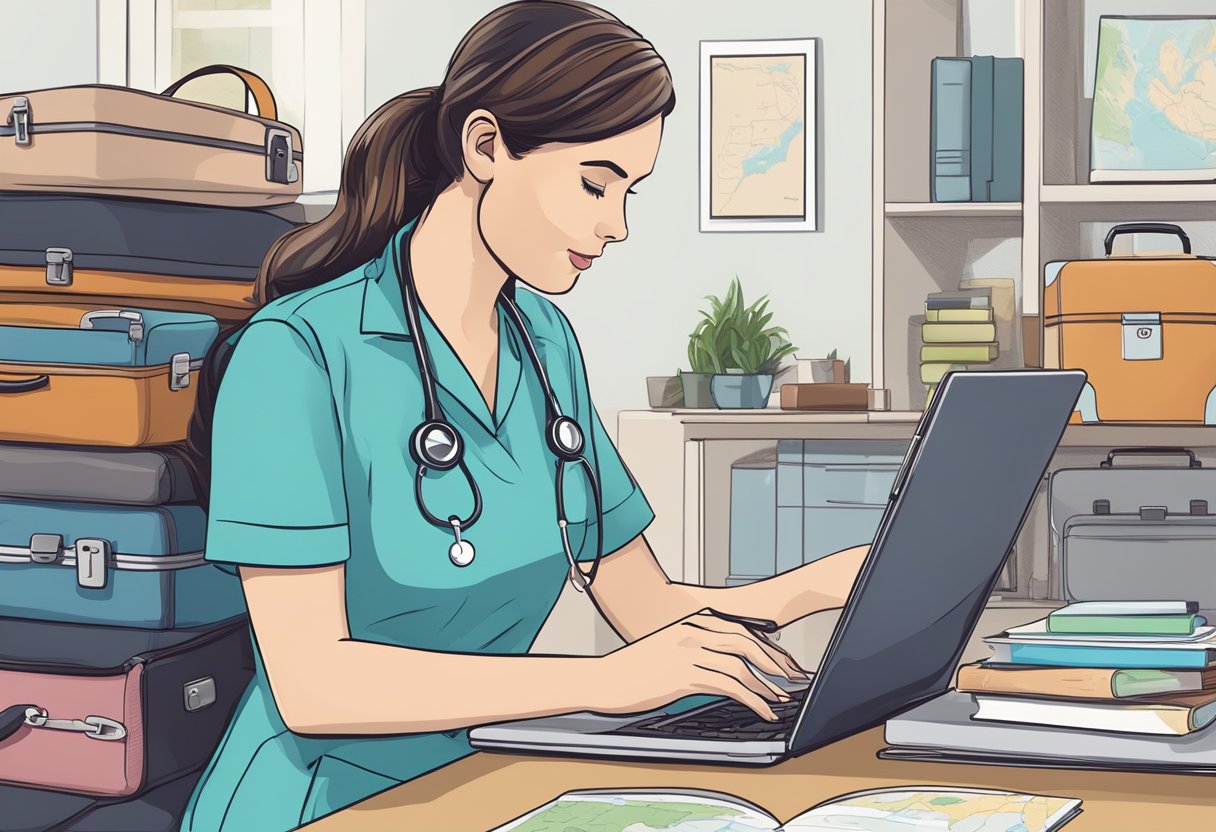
967,483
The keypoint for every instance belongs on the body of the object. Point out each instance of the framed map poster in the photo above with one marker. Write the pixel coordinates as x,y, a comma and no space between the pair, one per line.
758,135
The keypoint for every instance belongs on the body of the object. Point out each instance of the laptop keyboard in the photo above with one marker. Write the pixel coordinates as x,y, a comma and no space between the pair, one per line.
729,720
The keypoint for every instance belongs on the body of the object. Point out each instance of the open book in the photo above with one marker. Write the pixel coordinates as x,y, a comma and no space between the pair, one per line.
910,808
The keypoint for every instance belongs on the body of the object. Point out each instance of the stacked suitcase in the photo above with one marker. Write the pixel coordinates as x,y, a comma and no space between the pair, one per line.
129,244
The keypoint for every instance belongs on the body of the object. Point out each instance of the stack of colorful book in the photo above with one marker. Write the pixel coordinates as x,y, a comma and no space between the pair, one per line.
959,330
1140,667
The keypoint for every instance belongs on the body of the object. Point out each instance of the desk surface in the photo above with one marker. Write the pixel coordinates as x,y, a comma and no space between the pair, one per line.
487,789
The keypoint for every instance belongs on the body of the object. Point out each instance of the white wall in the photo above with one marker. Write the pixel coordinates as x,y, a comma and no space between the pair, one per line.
633,311
47,43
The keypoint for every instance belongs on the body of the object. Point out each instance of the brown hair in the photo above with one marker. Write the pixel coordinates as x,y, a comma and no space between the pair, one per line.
549,71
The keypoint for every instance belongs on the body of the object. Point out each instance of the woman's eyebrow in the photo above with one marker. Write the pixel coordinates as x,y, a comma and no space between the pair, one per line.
612,166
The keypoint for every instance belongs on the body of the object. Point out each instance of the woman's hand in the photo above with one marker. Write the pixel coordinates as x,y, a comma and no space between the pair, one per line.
699,654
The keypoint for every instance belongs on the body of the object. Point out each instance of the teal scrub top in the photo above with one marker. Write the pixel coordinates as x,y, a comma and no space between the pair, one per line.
311,466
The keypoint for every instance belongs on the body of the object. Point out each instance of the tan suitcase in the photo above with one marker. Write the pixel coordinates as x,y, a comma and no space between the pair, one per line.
1143,327
100,139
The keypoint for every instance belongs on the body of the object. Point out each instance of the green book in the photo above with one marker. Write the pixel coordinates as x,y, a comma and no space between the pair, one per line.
952,332
966,315
959,353
932,373
1125,625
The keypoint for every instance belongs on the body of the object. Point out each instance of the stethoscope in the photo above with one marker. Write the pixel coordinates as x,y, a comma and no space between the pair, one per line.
435,444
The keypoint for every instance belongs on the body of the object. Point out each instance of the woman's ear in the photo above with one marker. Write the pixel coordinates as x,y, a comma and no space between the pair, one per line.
481,144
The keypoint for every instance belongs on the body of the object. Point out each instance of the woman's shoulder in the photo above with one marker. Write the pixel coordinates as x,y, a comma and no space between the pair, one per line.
318,314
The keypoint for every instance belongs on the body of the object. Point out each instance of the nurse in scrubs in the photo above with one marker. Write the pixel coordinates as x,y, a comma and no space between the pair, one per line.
375,649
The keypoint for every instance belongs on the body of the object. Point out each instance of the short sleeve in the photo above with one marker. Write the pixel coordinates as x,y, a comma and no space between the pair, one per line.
626,511
277,493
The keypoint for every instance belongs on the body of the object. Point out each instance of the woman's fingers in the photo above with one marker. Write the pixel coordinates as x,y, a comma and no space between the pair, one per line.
715,681
754,652
733,665
712,623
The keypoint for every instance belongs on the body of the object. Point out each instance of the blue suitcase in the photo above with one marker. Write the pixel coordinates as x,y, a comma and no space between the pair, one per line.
127,566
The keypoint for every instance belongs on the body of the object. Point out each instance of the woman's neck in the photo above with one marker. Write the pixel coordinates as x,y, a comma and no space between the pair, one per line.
456,278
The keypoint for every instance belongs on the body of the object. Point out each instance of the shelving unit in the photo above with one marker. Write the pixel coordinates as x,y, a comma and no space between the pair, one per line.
921,246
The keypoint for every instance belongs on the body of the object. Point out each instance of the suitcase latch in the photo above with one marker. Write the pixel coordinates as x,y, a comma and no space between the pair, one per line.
1152,512
1141,336
199,694
59,266
92,557
280,166
46,548
19,116
179,371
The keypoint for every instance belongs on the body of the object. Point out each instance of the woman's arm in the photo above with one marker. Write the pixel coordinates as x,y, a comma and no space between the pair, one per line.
637,597
326,683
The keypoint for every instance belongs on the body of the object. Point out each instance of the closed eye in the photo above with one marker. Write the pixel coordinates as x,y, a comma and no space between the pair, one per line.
598,193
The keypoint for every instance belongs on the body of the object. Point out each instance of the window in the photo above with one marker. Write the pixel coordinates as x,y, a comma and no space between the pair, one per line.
310,52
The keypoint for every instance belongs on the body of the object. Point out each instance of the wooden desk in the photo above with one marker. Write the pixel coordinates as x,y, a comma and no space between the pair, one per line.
487,789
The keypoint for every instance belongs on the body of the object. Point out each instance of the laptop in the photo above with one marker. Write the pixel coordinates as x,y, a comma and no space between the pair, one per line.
963,490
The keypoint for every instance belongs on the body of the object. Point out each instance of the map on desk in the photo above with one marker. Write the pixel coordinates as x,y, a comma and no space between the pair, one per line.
915,809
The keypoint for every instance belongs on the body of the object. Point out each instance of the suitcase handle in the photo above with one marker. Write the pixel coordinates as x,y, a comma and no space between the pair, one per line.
24,385
254,86
11,719
1110,457
1147,228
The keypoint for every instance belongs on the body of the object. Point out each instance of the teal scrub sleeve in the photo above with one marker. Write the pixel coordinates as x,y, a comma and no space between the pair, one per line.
626,511
277,494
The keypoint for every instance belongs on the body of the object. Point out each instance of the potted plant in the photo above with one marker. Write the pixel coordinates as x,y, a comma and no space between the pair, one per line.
830,369
704,356
739,347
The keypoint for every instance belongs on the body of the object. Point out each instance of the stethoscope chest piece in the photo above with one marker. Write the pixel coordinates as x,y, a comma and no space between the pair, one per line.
461,552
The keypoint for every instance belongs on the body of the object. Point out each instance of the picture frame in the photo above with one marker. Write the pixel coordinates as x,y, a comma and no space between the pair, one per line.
758,150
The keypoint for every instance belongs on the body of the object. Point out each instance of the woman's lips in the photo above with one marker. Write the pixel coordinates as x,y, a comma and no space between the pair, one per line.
580,261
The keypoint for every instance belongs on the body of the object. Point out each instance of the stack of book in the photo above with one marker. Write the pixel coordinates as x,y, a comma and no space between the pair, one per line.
1128,666
959,330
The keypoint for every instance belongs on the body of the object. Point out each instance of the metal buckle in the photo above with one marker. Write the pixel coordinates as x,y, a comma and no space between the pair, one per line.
46,548
179,371
199,694
92,558
59,266
280,166
19,115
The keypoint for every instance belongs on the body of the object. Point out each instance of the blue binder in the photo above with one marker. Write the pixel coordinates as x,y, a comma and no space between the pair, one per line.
975,129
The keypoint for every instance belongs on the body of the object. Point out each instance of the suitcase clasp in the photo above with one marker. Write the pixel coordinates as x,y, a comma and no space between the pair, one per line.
1141,336
199,694
280,166
46,548
59,266
97,727
19,116
179,371
92,558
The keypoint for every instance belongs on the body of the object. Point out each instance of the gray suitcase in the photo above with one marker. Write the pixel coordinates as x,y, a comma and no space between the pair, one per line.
1136,532
117,476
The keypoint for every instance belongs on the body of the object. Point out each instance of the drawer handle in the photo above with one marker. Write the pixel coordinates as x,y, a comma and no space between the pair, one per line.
24,385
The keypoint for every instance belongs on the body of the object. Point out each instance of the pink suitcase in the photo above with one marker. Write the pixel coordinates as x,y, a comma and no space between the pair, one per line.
112,711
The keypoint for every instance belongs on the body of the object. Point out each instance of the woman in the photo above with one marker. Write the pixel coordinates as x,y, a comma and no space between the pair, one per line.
380,636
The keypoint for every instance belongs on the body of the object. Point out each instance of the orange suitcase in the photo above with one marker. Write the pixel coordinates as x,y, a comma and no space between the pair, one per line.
1143,327
93,375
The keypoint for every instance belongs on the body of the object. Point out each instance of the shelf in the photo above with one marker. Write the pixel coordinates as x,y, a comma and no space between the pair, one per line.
1172,192
954,209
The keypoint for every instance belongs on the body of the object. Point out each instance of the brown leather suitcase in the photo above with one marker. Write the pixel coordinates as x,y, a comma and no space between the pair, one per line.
102,139
1143,327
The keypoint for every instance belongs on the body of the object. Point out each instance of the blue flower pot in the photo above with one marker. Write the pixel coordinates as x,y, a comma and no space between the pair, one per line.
740,389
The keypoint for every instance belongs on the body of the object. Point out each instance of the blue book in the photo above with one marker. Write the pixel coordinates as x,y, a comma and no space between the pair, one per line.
1007,155
950,130
982,69
1065,655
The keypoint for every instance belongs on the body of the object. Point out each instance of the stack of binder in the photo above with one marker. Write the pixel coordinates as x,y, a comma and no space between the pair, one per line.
959,330
1123,667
